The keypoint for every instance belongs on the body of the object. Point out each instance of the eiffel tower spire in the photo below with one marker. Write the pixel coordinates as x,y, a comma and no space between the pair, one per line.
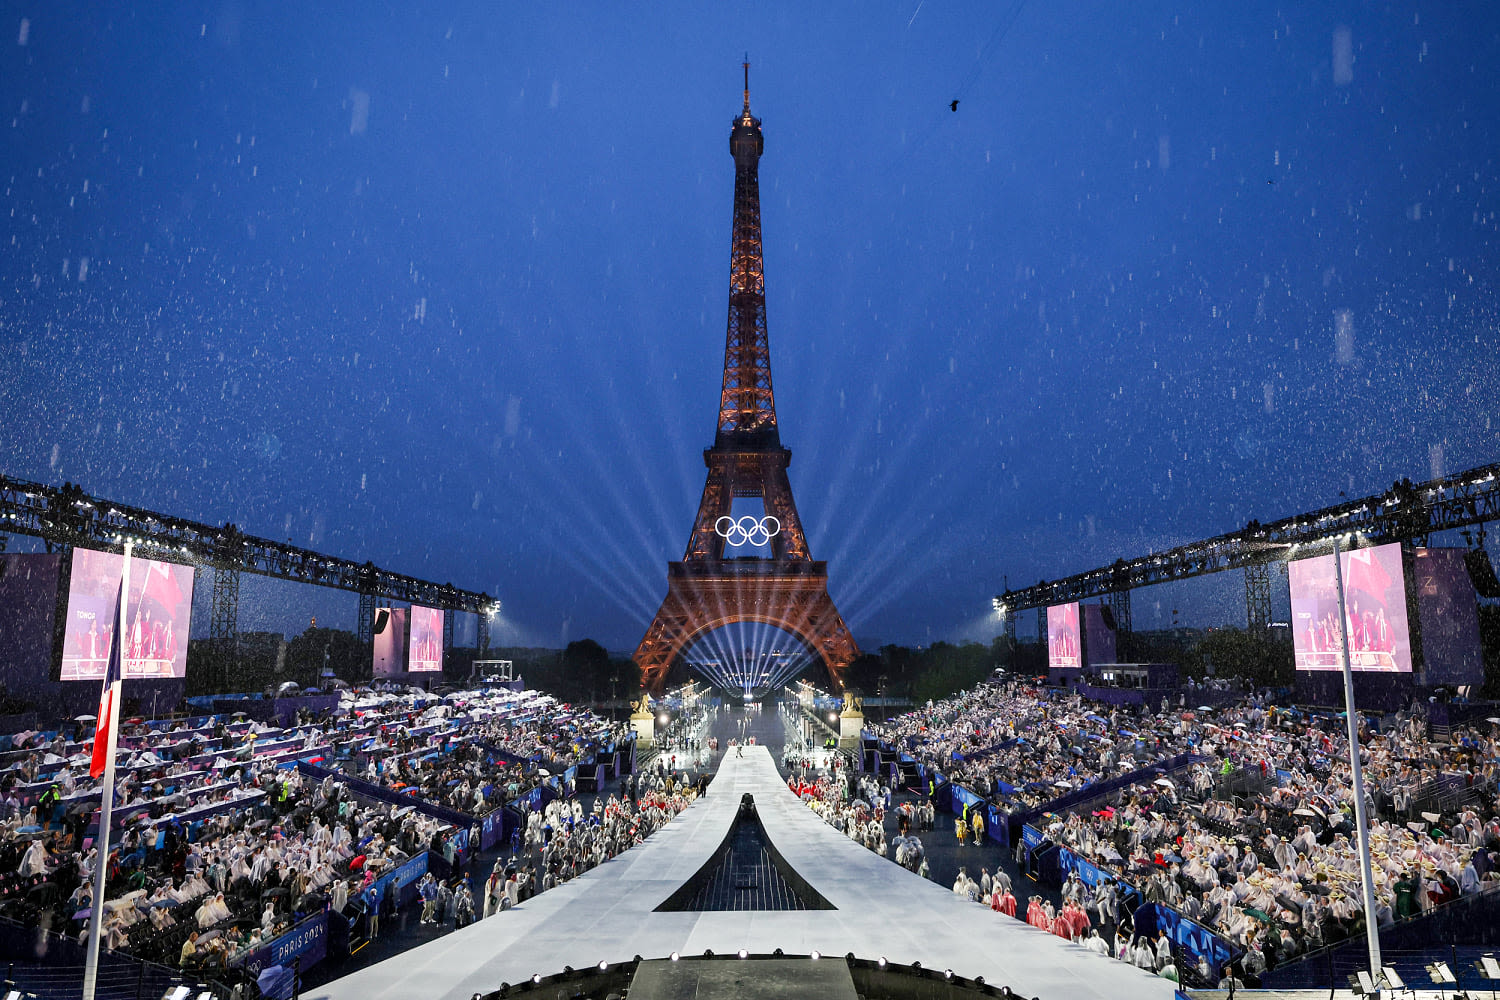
747,406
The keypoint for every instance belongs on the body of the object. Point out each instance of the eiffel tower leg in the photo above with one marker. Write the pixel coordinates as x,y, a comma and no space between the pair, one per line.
705,543
790,542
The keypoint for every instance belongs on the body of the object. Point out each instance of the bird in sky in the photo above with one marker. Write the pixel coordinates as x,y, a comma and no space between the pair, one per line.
953,106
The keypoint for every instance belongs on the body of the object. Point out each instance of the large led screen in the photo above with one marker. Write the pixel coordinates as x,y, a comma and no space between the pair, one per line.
158,611
1375,598
1449,612
426,651
1101,637
390,641
1062,637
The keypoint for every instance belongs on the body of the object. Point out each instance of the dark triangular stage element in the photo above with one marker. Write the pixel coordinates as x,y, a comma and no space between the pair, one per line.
745,873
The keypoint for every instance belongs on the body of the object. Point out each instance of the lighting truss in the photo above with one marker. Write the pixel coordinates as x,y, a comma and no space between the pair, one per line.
69,516
1406,512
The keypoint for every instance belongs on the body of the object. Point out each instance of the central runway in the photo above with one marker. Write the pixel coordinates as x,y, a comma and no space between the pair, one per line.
880,909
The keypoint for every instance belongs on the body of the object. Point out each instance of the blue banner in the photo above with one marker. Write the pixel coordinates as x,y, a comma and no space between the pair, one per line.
402,880
1088,872
1194,940
306,943
492,829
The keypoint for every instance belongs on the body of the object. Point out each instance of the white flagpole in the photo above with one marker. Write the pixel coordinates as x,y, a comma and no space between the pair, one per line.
107,795
1362,821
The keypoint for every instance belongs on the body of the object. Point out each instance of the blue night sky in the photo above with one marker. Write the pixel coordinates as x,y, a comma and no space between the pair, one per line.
444,285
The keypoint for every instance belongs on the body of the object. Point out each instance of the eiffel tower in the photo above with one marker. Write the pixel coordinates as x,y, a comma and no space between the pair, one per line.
709,589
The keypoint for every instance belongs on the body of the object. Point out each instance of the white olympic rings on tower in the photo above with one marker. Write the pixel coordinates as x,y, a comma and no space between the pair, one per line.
747,530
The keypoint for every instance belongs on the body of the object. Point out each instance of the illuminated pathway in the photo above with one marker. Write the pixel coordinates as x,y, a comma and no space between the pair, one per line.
880,910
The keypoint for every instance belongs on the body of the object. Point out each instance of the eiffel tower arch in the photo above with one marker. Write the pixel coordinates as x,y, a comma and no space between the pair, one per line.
710,587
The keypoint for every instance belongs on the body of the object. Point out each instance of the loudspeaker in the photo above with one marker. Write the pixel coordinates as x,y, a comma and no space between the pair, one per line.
382,619
1482,573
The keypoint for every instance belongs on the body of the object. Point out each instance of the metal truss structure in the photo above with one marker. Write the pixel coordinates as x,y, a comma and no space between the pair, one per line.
224,623
68,516
709,589
1407,512
1258,597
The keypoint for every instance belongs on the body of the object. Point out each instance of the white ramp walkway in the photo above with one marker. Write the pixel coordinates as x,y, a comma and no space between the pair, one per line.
881,909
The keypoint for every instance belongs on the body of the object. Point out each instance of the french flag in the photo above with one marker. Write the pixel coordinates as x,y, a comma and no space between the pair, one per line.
109,701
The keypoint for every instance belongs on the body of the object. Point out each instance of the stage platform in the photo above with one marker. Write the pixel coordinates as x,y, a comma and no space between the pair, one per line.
880,909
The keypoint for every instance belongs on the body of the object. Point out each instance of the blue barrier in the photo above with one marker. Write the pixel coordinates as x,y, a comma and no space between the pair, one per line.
987,751
462,822
1098,788
1190,937
306,943
1089,873
496,828
403,879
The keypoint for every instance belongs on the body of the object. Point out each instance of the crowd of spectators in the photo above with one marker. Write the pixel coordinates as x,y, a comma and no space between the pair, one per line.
1020,748
1255,837
221,843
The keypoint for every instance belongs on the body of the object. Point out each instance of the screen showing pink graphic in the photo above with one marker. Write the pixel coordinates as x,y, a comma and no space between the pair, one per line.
1449,612
390,641
158,611
1375,598
1062,637
426,639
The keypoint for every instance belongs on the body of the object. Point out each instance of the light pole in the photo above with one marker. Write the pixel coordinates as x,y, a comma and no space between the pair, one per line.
1361,820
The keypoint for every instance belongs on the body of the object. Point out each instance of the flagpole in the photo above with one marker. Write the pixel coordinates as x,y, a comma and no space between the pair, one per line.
1361,821
107,792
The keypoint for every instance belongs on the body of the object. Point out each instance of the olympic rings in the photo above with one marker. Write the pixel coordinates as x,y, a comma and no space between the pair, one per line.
747,530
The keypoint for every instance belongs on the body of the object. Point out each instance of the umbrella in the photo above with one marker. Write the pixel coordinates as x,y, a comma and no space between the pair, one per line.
1261,915
84,913
1164,782
85,718
1303,812
1493,720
